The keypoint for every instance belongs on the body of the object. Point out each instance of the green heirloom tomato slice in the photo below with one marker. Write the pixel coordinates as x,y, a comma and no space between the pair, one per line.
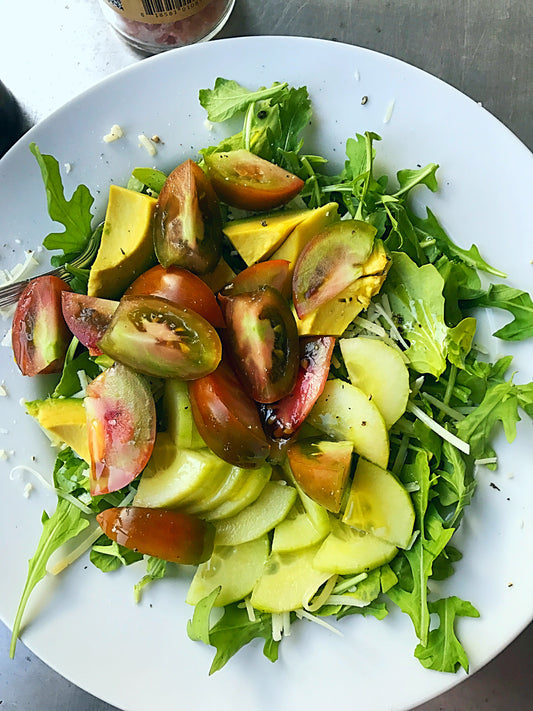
87,317
187,221
121,425
39,334
170,535
182,287
262,340
330,262
227,418
158,338
243,179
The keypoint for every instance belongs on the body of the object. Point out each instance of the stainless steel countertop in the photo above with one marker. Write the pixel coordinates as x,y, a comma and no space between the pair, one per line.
51,51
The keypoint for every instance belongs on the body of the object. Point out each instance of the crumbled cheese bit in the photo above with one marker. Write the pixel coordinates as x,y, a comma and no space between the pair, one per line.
3,391
356,75
146,143
68,167
114,134
27,490
3,430
209,125
19,271
3,454
388,112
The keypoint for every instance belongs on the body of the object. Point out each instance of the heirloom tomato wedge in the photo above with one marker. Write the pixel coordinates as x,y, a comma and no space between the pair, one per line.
262,341
227,418
170,535
121,426
87,317
39,334
187,221
180,286
156,337
242,179
282,419
274,272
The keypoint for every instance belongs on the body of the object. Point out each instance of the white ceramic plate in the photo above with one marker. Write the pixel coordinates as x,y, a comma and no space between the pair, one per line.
85,624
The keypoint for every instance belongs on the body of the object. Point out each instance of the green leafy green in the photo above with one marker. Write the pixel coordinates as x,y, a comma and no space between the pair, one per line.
155,570
517,302
228,98
109,555
65,523
443,651
74,214
147,178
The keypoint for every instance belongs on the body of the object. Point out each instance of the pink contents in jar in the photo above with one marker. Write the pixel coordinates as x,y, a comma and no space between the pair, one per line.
157,25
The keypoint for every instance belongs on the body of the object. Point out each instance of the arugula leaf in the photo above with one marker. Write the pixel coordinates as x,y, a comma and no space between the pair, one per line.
109,555
149,178
69,383
232,632
70,472
74,214
155,570
408,179
456,483
415,295
517,302
228,98
459,341
65,523
500,404
443,651
431,228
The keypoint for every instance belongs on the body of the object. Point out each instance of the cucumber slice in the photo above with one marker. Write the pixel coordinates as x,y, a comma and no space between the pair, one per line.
178,413
380,372
347,551
271,507
298,529
379,504
236,569
227,490
344,412
176,477
289,581
253,484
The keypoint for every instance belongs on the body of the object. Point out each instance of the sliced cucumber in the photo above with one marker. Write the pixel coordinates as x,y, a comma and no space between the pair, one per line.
178,413
379,504
235,569
289,581
228,490
298,530
380,372
344,412
347,551
271,507
176,477
252,485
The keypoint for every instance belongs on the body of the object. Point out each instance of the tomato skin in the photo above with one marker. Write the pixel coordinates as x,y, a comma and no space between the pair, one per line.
39,334
274,273
187,224
182,287
227,418
170,535
242,179
158,338
262,341
121,426
87,317
283,418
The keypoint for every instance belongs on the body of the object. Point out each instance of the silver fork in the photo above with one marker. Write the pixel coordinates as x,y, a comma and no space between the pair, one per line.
10,294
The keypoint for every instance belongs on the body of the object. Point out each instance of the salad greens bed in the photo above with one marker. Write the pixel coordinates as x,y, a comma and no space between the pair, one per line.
457,403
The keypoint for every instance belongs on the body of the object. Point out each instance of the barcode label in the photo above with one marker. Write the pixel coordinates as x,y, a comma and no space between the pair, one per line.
153,7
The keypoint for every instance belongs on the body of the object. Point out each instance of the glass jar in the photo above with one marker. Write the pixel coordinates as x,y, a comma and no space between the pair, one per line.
157,25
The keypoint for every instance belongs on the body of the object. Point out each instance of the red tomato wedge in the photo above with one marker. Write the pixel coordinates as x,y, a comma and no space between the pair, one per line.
242,179
187,221
87,317
170,535
262,342
182,287
283,418
156,337
121,426
227,418
274,272
39,334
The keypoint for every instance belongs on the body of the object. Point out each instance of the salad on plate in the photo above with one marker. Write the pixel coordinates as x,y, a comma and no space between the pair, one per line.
271,373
